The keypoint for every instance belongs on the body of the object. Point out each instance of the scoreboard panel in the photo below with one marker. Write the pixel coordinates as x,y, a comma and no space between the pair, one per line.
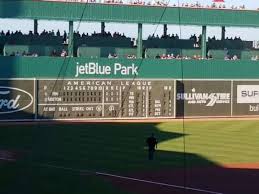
104,98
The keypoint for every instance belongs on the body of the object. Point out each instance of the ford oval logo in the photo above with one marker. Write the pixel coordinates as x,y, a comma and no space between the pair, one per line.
14,100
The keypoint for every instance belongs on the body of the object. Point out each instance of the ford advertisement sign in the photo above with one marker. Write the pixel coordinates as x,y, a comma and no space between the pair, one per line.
11,105
17,99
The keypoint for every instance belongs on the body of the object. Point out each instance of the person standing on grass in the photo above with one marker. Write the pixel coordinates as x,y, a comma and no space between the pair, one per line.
152,145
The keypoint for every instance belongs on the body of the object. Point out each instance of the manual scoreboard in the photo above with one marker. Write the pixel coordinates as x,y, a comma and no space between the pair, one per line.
81,99
72,99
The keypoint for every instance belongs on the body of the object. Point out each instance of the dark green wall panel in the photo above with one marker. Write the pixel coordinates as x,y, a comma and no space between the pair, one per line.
51,67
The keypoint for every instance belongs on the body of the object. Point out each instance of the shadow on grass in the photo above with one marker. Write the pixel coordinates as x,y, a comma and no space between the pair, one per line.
102,147
111,148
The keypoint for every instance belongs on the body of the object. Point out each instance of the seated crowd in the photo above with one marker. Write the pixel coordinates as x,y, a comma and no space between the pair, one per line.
54,53
45,37
179,57
115,56
15,36
174,37
163,3
255,58
227,38
63,53
228,57
100,35
23,54
212,6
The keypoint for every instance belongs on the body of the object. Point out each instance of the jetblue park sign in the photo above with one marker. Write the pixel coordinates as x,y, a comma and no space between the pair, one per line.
92,68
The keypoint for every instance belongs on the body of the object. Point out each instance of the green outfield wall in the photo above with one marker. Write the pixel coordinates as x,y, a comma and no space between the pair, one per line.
29,9
49,88
54,67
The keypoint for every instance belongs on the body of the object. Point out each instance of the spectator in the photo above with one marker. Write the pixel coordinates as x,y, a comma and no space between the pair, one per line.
24,53
209,55
63,53
35,55
58,33
54,53
234,58
254,58
158,56
110,56
65,36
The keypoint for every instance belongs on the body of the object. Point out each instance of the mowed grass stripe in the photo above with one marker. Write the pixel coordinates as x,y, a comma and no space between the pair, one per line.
214,140
225,141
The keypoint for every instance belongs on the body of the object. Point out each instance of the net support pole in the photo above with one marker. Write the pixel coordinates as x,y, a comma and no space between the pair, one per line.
139,43
35,25
165,30
102,27
223,32
71,39
203,42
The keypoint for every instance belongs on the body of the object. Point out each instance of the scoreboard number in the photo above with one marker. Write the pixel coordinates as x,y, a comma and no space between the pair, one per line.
83,99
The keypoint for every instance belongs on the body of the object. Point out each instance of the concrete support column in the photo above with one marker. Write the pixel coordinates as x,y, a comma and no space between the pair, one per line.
35,22
102,27
71,39
203,42
139,43
165,29
223,33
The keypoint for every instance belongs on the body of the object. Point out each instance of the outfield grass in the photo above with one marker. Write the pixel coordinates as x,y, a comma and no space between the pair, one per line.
118,149
218,141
